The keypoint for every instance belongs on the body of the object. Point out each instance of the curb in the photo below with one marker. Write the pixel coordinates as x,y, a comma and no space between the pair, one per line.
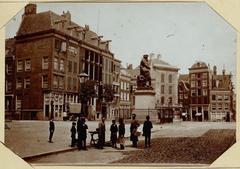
48,153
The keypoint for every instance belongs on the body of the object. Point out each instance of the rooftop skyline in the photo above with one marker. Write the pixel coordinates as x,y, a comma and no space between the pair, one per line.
182,33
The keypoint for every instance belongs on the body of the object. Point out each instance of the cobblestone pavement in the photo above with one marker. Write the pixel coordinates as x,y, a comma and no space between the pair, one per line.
28,138
204,150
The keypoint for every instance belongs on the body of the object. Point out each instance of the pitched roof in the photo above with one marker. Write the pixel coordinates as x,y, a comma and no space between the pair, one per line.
49,20
224,81
183,77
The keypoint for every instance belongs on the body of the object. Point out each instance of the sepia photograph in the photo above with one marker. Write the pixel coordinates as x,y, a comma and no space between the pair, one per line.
120,84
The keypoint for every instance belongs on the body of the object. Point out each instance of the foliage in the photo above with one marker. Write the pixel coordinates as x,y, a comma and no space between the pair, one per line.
108,93
87,91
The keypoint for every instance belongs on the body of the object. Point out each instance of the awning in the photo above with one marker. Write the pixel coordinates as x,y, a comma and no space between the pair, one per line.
184,114
198,114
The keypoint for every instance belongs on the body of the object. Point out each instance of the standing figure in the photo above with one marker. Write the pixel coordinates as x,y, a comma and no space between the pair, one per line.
73,134
121,133
147,131
114,130
101,133
51,130
144,79
82,134
133,130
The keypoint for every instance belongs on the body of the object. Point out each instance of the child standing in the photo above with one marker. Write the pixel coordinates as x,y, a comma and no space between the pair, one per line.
114,130
73,134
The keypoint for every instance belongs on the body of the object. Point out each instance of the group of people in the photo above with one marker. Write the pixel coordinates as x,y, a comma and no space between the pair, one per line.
116,136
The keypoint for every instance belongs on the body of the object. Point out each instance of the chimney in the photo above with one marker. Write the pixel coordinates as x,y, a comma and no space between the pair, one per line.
223,71
215,70
158,56
67,16
30,9
130,67
87,27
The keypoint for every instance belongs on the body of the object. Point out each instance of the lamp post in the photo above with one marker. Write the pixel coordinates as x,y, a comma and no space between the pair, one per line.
82,79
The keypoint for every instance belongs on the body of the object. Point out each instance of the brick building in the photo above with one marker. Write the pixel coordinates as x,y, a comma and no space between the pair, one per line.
51,51
184,95
211,94
10,82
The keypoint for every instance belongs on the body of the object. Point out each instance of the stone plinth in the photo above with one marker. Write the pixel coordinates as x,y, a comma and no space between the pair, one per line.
145,104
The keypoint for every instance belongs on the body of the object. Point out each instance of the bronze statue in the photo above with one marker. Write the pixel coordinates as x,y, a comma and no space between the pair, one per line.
144,79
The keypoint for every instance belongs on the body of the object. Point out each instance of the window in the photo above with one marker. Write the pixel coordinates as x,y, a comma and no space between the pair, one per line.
193,92
27,83
199,83
181,96
18,103
72,50
170,78
162,78
8,86
75,67
74,83
60,46
162,100
204,83
226,106
61,82
213,97
19,65
219,97
9,68
61,65
69,83
199,92
199,75
69,66
55,81
170,89
19,83
55,66
185,96
219,106
204,75
204,92
193,84
193,76
27,64
213,106
162,89
45,63
45,81
226,97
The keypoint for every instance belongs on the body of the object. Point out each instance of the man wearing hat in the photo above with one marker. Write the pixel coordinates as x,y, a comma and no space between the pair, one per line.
101,133
133,130
82,134
73,134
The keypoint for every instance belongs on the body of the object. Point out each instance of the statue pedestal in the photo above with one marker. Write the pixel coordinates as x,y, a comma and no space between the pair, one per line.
145,104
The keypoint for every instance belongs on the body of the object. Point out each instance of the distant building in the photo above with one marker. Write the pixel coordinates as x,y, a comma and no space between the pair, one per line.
211,95
184,95
165,83
10,81
125,95
51,51
221,96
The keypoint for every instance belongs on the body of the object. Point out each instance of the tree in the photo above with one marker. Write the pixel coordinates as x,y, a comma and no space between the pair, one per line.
87,91
108,95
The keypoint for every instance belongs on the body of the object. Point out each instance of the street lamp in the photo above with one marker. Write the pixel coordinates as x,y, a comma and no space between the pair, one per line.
82,79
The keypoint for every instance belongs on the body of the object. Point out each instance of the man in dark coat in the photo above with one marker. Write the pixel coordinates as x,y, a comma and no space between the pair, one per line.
82,133
133,130
121,132
147,126
73,134
114,130
51,130
101,133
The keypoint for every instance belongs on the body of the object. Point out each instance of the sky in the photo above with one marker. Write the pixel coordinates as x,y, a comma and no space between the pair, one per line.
182,33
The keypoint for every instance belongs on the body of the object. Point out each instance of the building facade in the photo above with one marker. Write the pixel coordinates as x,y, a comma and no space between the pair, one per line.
51,51
10,104
184,96
211,94
125,95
